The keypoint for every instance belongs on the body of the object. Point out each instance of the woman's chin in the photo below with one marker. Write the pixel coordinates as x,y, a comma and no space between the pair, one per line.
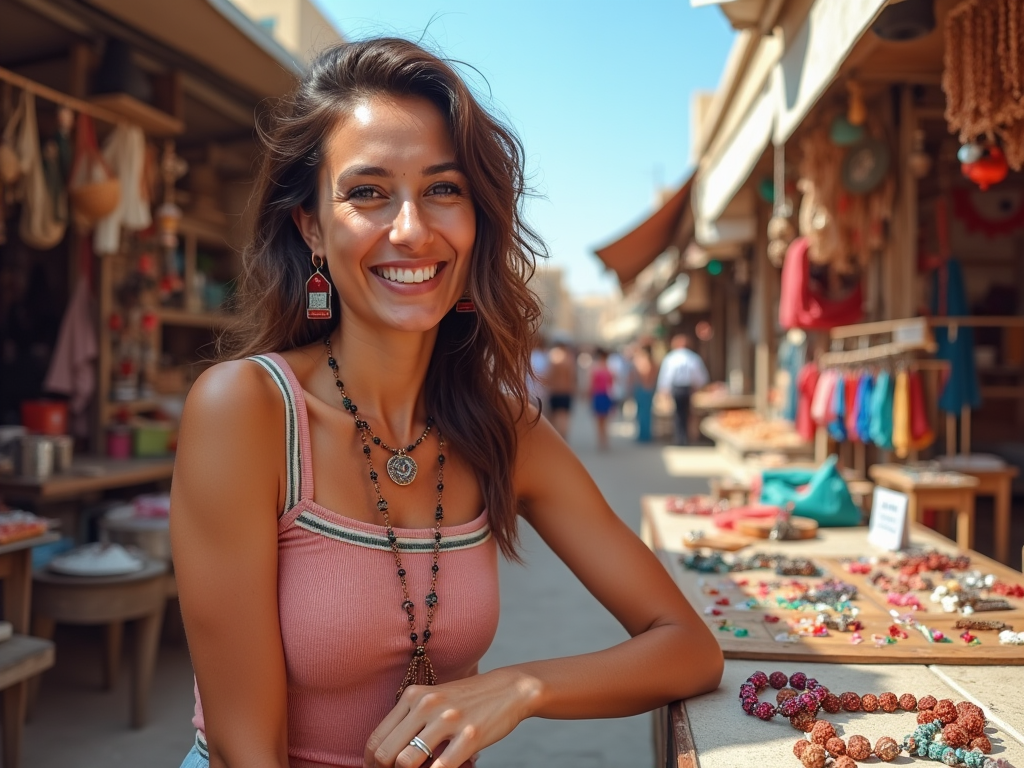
412,319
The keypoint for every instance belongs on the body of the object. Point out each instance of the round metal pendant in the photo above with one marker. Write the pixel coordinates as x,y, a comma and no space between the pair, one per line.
402,469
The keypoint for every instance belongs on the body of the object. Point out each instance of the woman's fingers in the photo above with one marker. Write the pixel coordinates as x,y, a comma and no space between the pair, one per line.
377,744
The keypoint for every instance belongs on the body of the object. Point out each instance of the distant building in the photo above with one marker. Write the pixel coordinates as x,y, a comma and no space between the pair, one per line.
559,320
296,25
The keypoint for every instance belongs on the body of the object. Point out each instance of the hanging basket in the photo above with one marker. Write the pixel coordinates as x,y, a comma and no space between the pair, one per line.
94,190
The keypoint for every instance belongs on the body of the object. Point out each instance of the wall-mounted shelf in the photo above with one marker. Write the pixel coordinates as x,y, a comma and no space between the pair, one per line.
184,319
151,120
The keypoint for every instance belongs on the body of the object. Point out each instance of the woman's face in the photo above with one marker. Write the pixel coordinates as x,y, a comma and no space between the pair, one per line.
395,217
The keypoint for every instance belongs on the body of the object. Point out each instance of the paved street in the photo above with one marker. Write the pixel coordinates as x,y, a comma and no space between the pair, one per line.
545,613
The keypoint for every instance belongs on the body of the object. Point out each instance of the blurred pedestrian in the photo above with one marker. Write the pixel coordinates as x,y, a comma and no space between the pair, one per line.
602,382
643,382
682,372
536,379
618,365
561,385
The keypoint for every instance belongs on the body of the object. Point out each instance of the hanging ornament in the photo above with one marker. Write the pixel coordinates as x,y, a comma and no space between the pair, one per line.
920,162
983,74
843,133
856,111
970,153
993,214
991,168
168,217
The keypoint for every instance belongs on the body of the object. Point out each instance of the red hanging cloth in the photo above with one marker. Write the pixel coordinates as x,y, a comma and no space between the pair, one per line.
801,307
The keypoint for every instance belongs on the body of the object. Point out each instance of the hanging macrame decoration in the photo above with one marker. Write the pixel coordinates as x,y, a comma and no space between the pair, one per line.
983,77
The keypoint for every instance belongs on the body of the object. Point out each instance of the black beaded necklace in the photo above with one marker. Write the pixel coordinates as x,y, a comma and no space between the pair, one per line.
420,671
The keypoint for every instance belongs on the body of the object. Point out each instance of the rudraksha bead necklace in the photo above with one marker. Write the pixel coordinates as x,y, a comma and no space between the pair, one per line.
962,726
420,671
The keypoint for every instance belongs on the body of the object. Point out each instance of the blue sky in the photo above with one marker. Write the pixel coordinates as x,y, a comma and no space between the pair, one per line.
599,93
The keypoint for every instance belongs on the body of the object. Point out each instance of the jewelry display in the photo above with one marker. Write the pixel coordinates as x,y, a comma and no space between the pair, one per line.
420,671
978,624
1009,637
717,563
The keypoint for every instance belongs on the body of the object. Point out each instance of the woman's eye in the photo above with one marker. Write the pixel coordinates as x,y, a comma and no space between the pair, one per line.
363,193
446,188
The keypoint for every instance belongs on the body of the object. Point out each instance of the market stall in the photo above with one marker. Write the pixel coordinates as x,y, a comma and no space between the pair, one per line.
902,642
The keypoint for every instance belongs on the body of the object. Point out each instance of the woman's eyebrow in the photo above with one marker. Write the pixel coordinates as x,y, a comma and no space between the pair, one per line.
433,170
364,170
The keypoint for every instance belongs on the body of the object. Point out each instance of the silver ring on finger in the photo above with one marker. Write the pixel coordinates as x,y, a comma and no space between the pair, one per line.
421,745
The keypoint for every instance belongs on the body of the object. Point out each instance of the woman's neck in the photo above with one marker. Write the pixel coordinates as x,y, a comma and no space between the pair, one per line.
384,373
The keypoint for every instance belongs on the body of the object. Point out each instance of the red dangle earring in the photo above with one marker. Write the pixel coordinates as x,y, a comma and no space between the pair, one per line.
318,293
465,303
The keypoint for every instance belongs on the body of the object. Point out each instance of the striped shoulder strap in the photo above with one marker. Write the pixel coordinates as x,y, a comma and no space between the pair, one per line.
293,491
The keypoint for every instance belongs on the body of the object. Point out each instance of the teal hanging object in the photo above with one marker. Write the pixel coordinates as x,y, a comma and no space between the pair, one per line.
843,133
962,387
766,189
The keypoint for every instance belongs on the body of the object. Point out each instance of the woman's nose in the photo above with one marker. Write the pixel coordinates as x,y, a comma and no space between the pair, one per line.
409,229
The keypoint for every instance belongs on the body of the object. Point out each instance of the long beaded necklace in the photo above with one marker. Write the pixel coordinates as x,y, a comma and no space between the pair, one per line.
420,671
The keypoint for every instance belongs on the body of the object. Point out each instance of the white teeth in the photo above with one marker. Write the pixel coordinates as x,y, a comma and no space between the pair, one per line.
397,275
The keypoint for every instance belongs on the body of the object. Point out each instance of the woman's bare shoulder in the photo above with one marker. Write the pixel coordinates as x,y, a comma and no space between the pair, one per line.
234,405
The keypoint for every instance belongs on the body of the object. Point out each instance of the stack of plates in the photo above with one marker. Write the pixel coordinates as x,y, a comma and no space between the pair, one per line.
97,560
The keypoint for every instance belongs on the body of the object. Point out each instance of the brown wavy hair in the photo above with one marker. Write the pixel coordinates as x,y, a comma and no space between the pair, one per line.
475,386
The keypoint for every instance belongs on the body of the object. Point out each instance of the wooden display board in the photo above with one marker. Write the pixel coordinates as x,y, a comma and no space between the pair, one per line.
665,531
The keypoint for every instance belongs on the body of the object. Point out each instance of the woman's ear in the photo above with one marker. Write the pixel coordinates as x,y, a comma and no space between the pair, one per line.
309,228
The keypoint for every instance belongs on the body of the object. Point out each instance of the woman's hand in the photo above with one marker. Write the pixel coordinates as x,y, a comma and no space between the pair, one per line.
455,720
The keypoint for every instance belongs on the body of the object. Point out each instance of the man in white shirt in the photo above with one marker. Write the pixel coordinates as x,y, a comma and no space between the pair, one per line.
682,371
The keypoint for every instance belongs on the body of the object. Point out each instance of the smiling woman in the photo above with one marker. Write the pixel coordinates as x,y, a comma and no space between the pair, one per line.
342,625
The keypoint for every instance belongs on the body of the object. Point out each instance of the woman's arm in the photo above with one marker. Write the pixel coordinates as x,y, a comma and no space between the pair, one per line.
225,498
671,654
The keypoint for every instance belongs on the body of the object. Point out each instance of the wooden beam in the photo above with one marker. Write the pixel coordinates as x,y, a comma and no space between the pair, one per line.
80,66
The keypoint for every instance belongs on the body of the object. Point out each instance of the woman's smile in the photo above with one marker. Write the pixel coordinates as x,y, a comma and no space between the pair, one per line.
410,279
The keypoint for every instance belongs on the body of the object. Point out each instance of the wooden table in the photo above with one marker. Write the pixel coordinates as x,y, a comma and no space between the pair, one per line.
711,731
88,474
21,657
997,483
955,491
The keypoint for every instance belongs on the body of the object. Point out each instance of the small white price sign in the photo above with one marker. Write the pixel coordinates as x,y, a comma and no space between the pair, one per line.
888,528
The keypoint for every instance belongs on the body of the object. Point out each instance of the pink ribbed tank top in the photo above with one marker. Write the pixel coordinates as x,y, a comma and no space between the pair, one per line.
345,635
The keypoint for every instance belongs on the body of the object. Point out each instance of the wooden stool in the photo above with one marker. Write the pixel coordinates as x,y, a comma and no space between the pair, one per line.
954,491
110,600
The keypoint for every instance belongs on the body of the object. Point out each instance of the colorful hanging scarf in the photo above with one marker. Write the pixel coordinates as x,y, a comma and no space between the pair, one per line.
837,411
865,396
881,411
807,383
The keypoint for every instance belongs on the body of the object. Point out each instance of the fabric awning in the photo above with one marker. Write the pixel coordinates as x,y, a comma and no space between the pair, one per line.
721,177
814,56
631,253
217,35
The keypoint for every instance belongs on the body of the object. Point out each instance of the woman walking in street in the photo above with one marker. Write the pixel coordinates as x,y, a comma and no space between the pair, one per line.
344,482
644,382
602,380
